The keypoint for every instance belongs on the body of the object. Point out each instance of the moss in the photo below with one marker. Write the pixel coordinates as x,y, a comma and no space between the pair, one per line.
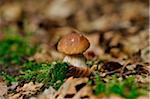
126,88
49,74
8,78
14,49
57,73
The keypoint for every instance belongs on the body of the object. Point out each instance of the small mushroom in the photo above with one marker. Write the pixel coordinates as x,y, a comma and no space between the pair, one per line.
73,45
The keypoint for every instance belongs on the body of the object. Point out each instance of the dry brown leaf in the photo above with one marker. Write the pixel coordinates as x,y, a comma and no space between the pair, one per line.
11,12
3,88
28,89
85,92
145,54
71,87
47,94
59,9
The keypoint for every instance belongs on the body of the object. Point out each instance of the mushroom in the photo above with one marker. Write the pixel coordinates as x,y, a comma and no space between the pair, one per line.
73,45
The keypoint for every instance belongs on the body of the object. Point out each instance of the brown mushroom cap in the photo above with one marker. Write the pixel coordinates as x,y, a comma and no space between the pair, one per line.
73,43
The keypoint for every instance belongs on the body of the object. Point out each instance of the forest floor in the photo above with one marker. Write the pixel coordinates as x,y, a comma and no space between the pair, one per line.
116,65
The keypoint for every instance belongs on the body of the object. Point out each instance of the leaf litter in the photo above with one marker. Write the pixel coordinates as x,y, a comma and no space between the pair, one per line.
117,61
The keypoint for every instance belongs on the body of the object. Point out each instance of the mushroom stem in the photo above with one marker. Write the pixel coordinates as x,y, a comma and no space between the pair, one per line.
76,60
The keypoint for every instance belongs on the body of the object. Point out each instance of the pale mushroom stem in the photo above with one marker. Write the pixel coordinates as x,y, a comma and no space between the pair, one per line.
75,60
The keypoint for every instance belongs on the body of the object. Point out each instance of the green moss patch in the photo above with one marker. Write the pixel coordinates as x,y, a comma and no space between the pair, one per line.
127,88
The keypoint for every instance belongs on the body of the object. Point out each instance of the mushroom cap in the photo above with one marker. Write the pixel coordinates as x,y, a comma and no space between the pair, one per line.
73,44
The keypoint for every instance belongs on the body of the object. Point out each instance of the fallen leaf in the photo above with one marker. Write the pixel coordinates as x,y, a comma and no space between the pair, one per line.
3,88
